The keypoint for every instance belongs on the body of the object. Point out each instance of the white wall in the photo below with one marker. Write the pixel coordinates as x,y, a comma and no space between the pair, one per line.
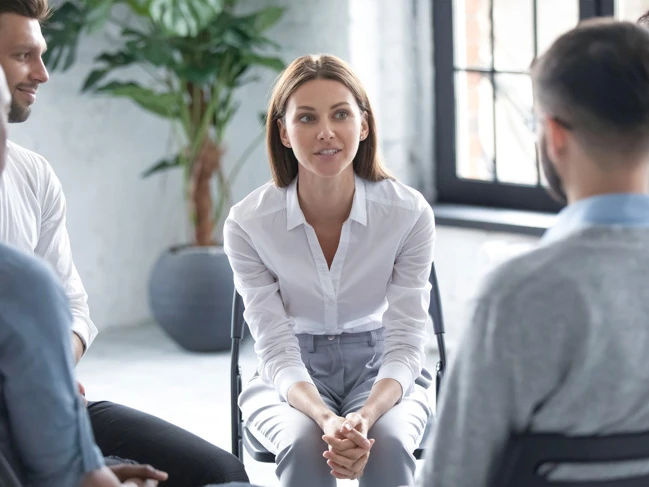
119,223
462,257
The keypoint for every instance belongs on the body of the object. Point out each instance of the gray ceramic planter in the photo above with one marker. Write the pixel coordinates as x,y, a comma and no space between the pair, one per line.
190,294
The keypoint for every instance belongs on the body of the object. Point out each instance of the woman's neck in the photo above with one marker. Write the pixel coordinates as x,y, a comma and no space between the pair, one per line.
326,200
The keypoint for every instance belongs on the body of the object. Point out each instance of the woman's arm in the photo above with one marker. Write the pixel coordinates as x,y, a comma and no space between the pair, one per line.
277,347
304,397
384,395
408,296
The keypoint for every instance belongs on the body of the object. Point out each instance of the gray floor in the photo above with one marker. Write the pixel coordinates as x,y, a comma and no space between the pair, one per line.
142,368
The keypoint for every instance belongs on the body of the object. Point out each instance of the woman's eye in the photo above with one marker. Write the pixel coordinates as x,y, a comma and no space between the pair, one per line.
306,118
21,56
342,115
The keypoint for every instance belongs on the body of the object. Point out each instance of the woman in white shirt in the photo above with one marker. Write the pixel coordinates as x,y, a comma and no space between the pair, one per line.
332,260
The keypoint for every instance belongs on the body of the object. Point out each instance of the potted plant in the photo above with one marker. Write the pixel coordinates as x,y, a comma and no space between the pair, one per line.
197,53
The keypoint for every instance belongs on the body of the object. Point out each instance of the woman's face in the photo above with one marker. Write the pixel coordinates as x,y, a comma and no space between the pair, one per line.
323,126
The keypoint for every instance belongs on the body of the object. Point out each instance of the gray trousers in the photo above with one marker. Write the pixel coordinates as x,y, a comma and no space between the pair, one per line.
343,368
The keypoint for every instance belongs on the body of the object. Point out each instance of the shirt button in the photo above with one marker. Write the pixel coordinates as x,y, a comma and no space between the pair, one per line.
331,337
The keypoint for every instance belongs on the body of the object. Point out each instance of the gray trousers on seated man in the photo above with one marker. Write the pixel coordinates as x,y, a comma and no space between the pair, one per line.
343,368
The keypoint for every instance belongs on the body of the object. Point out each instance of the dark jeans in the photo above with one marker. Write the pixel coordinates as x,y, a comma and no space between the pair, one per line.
189,460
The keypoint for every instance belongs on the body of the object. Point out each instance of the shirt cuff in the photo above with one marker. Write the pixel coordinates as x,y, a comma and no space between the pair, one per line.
81,330
399,372
286,378
91,456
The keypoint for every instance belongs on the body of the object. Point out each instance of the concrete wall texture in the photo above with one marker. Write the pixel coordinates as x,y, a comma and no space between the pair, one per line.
119,224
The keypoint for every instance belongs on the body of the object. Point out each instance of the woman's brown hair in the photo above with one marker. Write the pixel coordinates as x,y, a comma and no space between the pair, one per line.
367,162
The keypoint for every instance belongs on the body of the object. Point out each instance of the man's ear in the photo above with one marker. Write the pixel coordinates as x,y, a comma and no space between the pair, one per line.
283,133
556,136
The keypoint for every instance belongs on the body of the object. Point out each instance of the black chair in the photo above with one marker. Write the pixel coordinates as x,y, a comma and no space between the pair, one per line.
242,437
7,476
525,454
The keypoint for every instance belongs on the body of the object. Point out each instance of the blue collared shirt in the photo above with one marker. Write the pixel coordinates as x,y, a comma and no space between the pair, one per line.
45,432
618,209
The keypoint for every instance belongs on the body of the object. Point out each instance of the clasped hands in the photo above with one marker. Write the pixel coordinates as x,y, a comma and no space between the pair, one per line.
349,447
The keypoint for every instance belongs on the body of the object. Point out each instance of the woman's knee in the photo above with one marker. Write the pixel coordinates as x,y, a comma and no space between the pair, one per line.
392,439
391,461
303,445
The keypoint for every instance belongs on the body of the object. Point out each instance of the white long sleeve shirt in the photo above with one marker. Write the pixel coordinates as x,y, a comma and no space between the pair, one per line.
378,278
32,219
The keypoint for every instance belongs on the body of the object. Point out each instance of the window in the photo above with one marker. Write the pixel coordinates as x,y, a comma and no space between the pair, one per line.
485,145
630,10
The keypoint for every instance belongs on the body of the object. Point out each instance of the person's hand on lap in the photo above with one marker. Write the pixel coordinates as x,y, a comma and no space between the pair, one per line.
138,475
349,447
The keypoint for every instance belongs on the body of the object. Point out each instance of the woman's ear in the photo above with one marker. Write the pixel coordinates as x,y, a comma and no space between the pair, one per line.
365,127
283,133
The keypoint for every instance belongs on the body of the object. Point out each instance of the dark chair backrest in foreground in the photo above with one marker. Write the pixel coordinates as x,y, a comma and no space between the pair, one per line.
526,453
7,476
242,437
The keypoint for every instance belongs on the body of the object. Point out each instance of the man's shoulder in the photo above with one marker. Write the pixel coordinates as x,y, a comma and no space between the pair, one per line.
260,202
535,269
30,169
24,155
28,162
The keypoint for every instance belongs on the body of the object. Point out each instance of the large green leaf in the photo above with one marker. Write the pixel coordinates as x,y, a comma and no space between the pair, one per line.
163,104
139,7
271,62
264,19
98,13
184,18
151,47
62,33
110,62
163,165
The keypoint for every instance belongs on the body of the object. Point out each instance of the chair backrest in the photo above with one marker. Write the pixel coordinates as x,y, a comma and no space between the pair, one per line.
7,476
526,453
435,312
237,331
435,305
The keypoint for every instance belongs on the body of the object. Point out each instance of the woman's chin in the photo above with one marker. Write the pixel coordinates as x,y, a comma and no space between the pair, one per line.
330,170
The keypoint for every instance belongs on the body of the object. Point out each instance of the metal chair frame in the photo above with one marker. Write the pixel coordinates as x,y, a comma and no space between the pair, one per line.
241,437
526,453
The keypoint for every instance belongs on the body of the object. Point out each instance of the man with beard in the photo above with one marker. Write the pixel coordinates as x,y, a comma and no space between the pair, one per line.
644,19
45,435
558,337
32,219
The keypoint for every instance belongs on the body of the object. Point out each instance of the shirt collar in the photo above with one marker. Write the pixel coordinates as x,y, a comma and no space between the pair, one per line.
619,209
295,217
359,204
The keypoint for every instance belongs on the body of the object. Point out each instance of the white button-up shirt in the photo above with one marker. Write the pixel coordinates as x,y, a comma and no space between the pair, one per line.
378,277
32,219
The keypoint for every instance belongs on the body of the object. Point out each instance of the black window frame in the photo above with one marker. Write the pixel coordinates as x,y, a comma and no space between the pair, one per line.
451,188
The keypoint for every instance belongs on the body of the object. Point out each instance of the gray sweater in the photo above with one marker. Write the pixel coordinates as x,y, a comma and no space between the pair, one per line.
558,342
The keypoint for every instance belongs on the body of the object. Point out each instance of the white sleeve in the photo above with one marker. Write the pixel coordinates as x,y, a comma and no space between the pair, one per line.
408,296
54,246
277,347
